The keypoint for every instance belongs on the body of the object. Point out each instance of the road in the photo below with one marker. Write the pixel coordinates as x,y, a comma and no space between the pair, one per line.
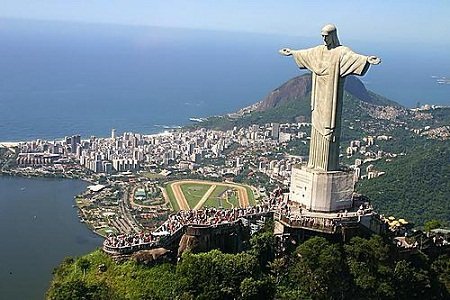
125,207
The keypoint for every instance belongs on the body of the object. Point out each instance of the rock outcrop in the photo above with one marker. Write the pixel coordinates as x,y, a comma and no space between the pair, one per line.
150,257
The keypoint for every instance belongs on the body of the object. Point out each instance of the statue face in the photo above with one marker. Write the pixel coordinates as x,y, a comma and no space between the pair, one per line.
328,41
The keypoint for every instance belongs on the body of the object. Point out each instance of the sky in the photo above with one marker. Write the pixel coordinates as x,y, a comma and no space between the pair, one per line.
391,21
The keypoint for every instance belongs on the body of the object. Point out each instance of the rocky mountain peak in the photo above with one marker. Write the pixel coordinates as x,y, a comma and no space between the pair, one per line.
298,87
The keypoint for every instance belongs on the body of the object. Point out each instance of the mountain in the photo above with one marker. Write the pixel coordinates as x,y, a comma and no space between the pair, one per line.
291,103
298,88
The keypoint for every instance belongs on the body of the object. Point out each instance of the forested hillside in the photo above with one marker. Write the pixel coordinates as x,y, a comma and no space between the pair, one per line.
416,186
316,269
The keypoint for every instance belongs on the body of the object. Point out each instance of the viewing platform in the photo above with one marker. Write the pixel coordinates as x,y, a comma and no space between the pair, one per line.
289,219
294,220
193,222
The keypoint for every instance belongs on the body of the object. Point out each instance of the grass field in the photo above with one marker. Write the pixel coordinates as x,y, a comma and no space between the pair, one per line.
218,191
219,199
217,202
234,200
194,192
107,231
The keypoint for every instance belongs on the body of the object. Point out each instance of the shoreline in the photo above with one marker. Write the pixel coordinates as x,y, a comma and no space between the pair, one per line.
162,130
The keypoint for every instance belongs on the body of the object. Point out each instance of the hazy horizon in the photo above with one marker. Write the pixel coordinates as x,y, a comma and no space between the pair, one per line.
412,21
89,78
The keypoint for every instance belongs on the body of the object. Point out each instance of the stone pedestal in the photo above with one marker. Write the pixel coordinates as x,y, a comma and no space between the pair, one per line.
321,191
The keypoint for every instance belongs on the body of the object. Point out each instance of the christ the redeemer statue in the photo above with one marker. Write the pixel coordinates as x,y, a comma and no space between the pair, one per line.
329,64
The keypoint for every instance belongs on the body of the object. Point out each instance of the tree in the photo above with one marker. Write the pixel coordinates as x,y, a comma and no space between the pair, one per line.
416,186
410,282
78,289
278,268
370,267
215,275
254,289
318,270
441,271
263,247
432,224
83,264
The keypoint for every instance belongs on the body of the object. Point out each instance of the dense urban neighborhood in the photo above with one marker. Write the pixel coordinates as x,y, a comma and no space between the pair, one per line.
129,173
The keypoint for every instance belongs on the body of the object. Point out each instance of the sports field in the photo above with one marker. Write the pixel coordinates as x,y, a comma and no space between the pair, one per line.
196,194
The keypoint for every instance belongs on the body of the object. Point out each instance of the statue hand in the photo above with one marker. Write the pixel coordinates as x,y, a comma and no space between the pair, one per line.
373,60
285,51
329,133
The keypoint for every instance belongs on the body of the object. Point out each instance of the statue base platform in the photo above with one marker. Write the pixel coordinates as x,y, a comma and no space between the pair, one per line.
321,191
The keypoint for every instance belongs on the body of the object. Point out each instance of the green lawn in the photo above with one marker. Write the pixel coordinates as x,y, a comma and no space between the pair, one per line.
218,191
233,199
107,231
218,198
194,192
217,202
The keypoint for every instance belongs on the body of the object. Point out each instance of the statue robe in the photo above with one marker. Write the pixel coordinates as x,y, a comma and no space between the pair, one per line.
329,68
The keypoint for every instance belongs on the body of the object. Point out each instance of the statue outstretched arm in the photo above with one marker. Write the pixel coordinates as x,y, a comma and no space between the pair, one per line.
285,52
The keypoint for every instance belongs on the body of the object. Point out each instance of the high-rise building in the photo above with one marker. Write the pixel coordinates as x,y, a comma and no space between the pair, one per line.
107,167
275,131
75,140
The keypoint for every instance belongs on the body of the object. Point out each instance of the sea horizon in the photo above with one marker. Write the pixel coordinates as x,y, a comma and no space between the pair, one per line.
62,78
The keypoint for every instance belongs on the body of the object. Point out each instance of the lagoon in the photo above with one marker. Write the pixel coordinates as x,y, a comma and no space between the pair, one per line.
38,228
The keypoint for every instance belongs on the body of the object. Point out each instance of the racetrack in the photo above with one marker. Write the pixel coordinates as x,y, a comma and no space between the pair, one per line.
183,203
179,196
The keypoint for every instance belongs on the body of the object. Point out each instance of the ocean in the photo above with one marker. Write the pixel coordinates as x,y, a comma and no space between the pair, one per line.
59,79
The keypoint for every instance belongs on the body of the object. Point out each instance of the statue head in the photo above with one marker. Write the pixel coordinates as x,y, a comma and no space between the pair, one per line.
330,38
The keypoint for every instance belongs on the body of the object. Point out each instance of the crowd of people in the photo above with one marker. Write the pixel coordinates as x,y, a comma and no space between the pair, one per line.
128,240
176,221
312,222
208,216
